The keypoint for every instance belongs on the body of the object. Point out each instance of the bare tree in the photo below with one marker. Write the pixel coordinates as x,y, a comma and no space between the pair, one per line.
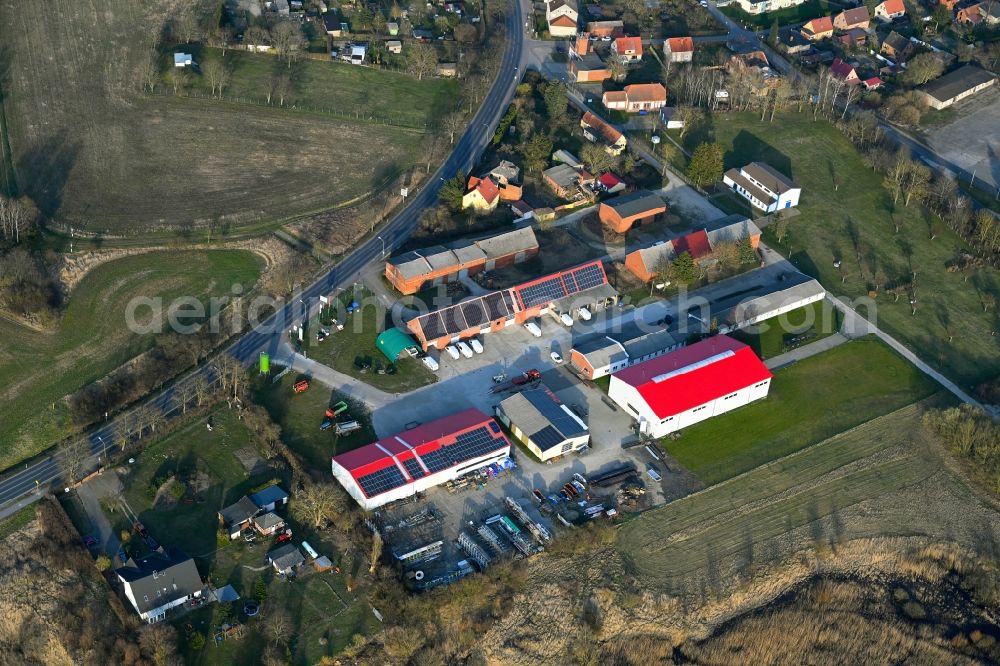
376,552
278,626
201,389
185,27
217,74
316,504
288,42
452,124
147,70
421,60
281,87
256,36
70,456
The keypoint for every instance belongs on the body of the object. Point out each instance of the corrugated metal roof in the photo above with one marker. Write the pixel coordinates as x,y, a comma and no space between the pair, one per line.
535,410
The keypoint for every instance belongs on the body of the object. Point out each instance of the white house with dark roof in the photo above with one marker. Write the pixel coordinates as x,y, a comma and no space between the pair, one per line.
159,582
763,186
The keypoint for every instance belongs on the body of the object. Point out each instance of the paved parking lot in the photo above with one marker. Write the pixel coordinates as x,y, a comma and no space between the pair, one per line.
971,140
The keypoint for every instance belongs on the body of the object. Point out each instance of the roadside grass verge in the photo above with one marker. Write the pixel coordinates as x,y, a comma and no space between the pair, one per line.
752,518
847,215
807,324
38,369
808,402
300,415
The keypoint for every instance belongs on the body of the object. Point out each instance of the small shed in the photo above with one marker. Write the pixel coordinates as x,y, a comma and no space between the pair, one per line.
392,27
183,60
270,498
394,46
269,523
285,559
393,342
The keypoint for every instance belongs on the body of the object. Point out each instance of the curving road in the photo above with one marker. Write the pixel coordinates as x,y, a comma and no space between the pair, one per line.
21,485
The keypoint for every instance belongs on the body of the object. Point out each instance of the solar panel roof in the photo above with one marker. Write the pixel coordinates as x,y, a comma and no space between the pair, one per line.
413,468
381,481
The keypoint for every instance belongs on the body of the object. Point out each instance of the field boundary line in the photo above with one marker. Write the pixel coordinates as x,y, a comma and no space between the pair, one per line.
779,460
9,184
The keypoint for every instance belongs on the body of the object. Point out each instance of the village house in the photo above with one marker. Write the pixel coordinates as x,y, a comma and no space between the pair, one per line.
568,182
890,10
562,17
584,65
969,13
636,98
844,71
853,37
763,186
857,17
482,195
610,183
818,29
627,49
628,211
159,582
896,47
598,131
793,42
602,29
678,49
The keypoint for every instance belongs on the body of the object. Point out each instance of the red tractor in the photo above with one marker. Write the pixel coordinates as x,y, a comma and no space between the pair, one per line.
300,386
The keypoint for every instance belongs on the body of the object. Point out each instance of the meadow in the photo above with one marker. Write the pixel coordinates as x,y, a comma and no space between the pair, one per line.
38,369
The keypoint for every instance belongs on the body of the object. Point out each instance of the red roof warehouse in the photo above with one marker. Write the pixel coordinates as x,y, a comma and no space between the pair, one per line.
415,460
689,385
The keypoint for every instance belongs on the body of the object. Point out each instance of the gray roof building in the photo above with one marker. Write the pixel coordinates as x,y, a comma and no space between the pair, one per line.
799,290
268,521
956,85
286,558
160,579
439,257
566,157
633,343
634,203
731,229
563,175
769,177
512,242
239,513
538,415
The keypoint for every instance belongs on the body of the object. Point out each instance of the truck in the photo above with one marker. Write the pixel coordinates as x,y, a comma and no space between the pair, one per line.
300,386
346,427
525,378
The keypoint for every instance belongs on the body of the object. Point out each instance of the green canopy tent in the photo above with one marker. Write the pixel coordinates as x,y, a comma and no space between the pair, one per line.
393,342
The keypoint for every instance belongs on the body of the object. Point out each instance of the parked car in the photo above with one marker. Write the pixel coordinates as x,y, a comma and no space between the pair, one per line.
477,346
584,314
556,357
452,351
533,328
431,364
566,319
465,349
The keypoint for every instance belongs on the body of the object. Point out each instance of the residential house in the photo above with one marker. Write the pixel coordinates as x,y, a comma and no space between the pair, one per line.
333,24
955,86
268,523
818,29
507,176
610,183
646,262
422,35
394,46
236,517
678,49
636,98
602,29
568,182
853,37
756,7
627,211
431,266
627,49
763,186
270,498
183,60
285,559
896,47
857,17
540,421
969,13
598,131
158,582
844,71
482,195
588,68
890,10
562,17
872,83
793,42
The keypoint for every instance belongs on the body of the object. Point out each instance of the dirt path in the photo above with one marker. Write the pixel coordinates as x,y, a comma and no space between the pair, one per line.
91,494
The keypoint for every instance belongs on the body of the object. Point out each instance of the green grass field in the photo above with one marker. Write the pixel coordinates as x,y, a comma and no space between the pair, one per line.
750,520
37,370
337,86
300,415
810,323
808,402
95,153
838,192
358,340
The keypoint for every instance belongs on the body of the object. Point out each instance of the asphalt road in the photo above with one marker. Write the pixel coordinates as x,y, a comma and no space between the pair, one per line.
44,473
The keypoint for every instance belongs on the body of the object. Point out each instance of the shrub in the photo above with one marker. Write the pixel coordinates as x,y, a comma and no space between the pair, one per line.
197,641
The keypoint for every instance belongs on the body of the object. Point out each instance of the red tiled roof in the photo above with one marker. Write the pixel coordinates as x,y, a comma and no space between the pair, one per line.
615,97
841,69
893,6
696,244
623,44
873,82
681,44
646,92
563,22
726,366
604,129
488,190
609,180
819,25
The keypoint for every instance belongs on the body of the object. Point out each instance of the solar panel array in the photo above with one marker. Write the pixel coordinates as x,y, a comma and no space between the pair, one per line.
413,468
469,445
559,286
381,481
470,314
546,438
